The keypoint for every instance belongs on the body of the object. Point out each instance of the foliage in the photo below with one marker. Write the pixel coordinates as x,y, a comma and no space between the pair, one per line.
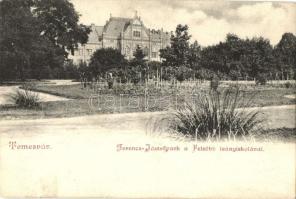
285,52
260,80
25,98
183,73
17,36
139,55
154,68
59,23
239,57
169,73
104,60
177,54
194,55
134,73
289,85
71,71
215,116
35,35
110,83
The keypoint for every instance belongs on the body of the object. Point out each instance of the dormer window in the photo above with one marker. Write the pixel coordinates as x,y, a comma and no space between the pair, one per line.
137,34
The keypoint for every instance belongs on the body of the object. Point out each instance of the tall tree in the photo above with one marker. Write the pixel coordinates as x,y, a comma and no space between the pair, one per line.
177,54
194,55
17,36
258,59
285,52
104,60
59,22
36,34
138,68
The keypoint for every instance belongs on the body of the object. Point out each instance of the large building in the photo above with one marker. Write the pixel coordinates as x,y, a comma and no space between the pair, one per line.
124,34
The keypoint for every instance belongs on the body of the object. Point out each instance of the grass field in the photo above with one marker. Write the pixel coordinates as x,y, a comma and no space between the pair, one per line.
130,99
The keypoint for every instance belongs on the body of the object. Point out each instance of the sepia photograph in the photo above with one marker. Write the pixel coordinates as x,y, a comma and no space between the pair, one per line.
147,99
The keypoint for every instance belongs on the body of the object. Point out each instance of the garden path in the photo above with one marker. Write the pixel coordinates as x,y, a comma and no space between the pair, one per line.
5,91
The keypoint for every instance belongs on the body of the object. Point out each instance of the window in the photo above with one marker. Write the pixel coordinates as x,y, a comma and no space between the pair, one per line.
89,51
137,34
154,54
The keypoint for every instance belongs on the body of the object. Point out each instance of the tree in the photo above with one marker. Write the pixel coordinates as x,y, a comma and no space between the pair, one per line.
177,54
139,54
154,69
183,73
16,38
59,23
138,67
194,55
71,71
105,59
26,47
258,58
285,52
237,57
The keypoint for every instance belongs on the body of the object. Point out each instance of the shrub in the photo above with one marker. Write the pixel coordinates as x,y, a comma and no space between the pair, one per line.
260,80
25,98
110,82
290,85
134,73
122,80
183,73
215,116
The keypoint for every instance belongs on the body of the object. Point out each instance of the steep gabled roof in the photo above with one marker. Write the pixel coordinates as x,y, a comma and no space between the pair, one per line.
115,26
96,32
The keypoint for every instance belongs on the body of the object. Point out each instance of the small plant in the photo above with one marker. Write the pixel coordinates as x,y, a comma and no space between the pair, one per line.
25,98
289,85
110,83
216,116
135,79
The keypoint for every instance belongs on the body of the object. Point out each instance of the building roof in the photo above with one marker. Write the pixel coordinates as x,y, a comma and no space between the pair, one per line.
96,32
159,34
115,26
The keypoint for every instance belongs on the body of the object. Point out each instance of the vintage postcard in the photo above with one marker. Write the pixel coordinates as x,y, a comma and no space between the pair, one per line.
147,99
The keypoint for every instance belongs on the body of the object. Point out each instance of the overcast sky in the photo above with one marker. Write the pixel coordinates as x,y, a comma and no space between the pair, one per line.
209,21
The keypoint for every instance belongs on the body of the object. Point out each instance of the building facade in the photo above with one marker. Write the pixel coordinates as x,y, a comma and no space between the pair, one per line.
124,34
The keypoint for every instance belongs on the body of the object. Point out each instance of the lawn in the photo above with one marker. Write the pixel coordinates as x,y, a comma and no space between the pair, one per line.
123,99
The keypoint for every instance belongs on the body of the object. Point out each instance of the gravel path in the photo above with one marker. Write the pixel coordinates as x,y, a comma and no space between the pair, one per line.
290,96
5,91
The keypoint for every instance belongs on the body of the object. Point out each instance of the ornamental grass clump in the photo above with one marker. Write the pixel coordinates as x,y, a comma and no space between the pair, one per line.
25,98
216,116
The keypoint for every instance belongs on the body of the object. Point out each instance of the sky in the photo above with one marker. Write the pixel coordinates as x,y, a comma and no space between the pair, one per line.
208,21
